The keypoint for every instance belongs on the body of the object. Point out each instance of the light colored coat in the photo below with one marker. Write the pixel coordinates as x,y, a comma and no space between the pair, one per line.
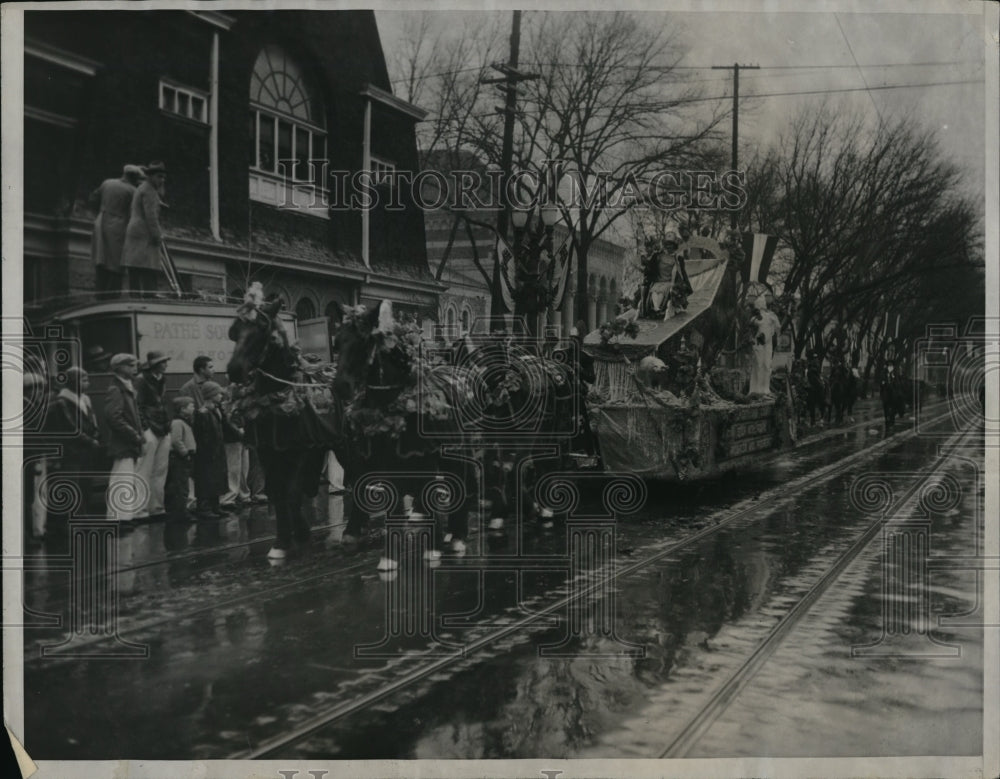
114,201
143,235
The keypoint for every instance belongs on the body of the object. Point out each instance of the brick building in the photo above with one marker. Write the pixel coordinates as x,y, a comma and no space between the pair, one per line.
220,99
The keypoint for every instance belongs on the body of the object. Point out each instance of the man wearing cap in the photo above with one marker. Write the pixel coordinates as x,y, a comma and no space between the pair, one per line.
150,393
143,236
126,441
113,201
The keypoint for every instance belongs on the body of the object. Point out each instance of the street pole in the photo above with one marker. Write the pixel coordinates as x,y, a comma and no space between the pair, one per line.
735,67
510,79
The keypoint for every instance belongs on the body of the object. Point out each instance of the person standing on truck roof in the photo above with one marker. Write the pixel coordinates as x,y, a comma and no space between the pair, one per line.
203,369
143,236
150,393
126,440
113,201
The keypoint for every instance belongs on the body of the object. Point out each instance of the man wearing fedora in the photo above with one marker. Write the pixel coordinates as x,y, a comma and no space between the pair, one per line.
126,441
143,236
113,199
150,393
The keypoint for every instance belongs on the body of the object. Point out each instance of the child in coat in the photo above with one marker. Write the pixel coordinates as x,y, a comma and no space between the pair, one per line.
210,477
182,453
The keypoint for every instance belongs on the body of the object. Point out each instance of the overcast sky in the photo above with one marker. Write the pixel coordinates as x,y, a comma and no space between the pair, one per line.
842,40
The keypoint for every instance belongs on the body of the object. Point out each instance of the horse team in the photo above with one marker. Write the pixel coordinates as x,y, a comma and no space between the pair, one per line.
416,436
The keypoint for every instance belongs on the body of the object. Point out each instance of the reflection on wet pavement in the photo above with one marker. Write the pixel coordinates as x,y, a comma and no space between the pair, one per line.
240,651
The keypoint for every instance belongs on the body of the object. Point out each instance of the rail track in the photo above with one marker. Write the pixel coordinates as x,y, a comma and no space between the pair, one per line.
727,692
435,665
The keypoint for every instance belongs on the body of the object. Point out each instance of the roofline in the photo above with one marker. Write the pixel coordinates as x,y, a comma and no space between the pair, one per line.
396,103
215,18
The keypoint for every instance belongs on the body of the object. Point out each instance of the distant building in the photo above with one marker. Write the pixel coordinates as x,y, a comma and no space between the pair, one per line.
461,254
220,99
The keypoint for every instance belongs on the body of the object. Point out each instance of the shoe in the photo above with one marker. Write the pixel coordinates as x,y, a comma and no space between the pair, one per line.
277,554
229,505
387,564
217,514
258,499
458,547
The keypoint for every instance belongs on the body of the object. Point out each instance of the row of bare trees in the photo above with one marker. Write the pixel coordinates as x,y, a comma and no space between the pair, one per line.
872,220
870,216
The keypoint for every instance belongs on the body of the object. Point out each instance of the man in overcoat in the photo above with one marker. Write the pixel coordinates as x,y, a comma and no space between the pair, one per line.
125,440
113,200
144,235
150,394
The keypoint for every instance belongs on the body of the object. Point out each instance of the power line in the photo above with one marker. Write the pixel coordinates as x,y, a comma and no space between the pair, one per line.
941,63
860,71
854,89
816,92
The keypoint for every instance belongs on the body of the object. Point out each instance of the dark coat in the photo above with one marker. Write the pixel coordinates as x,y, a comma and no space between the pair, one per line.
192,389
114,201
122,414
143,234
77,431
210,476
150,393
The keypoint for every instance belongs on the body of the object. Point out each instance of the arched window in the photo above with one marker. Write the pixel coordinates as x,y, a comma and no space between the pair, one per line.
305,309
449,321
466,320
286,118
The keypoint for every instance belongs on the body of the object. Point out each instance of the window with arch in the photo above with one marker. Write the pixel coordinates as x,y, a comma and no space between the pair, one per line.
449,321
305,309
287,122
466,320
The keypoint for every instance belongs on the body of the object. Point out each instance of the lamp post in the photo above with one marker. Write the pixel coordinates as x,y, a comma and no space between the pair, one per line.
533,279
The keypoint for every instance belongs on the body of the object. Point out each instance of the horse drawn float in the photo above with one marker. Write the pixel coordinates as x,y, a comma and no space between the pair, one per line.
654,407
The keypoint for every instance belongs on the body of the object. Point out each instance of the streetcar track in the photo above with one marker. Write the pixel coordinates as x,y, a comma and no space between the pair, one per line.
729,691
767,500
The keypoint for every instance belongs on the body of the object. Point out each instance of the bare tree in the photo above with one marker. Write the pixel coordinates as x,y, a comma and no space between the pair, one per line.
612,106
863,208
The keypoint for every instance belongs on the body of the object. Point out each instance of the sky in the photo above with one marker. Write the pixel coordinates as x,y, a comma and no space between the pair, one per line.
841,50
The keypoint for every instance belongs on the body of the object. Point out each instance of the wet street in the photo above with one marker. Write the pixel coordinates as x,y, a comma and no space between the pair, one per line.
766,614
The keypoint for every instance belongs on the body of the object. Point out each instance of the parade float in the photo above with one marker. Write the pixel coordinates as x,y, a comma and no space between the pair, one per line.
686,385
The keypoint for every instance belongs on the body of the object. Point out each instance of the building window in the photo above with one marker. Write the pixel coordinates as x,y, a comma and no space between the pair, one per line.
287,128
382,170
466,321
305,309
181,101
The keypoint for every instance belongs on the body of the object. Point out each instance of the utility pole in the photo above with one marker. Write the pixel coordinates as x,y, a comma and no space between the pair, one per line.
735,67
510,78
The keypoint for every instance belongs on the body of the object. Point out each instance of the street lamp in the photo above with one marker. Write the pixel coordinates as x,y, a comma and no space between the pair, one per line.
532,236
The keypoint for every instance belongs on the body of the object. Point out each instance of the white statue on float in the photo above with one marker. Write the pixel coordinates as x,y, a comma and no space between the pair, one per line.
768,325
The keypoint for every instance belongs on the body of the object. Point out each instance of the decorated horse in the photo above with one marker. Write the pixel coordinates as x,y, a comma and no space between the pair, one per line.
452,413
291,416
408,428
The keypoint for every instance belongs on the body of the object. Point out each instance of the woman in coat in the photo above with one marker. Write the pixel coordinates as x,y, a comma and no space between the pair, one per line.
143,236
